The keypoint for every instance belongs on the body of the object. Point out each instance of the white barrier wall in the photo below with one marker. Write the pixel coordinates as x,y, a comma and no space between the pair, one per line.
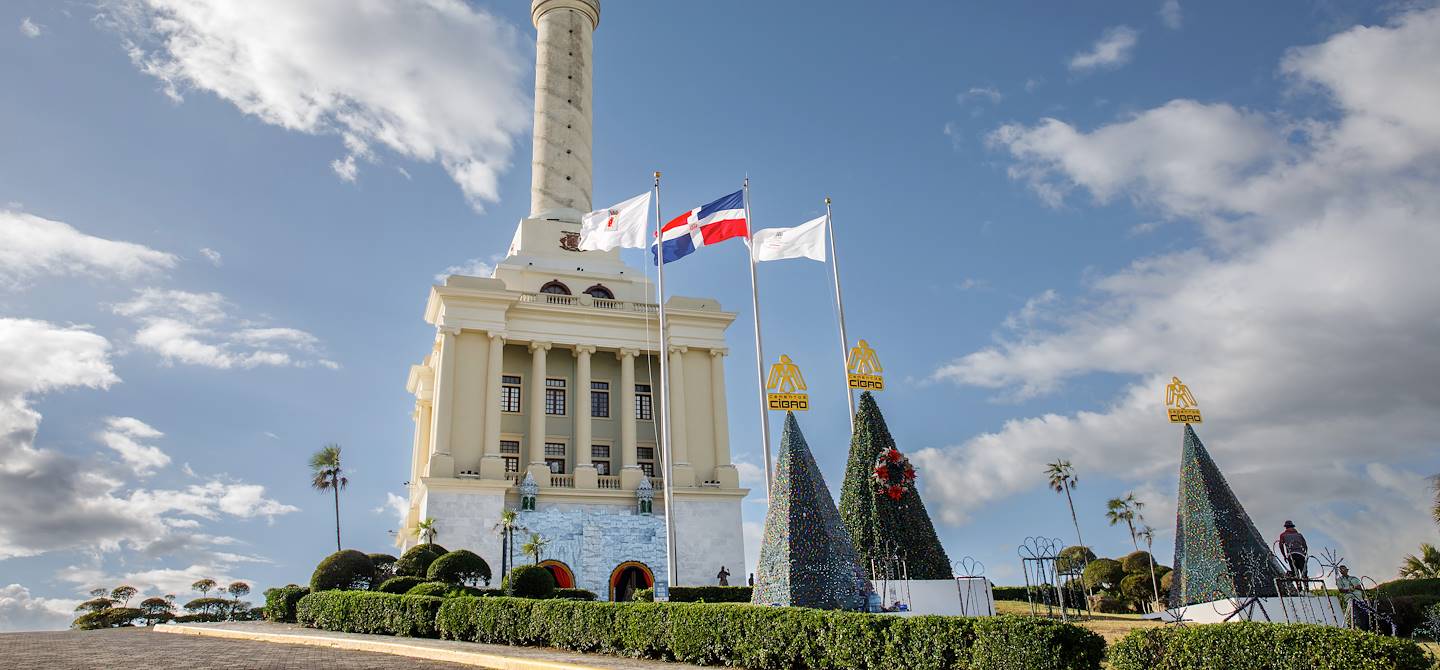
1320,610
949,597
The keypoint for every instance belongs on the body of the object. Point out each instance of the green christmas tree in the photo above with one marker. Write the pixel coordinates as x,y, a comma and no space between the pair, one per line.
1218,551
806,557
894,516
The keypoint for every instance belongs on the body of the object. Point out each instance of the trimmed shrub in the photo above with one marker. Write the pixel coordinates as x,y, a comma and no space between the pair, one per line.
399,584
529,581
766,638
573,594
1136,561
1104,574
643,595
709,594
114,617
1073,558
1411,612
459,567
1410,587
1137,587
347,569
384,566
1105,603
1263,646
280,602
435,589
1010,593
416,562
370,612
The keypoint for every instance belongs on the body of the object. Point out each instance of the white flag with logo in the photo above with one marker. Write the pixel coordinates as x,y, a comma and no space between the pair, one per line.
620,226
806,240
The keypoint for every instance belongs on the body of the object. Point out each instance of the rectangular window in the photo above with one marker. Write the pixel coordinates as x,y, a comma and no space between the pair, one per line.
600,457
600,399
557,465
555,397
510,394
512,464
509,446
555,449
645,458
648,469
643,403
599,451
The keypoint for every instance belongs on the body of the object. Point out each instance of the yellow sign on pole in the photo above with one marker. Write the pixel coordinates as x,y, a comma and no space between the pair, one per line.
1180,404
785,386
865,368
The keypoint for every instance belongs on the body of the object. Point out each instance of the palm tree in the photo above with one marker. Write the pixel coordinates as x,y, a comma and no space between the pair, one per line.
203,586
1127,509
327,475
1424,566
425,530
506,528
535,547
1063,480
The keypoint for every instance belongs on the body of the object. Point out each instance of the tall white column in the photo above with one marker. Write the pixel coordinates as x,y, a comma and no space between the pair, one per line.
682,472
536,437
629,464
560,175
717,407
493,465
442,463
582,406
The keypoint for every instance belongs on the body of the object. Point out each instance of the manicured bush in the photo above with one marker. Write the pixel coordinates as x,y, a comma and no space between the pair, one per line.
399,584
384,566
1104,574
1074,558
764,638
529,581
114,617
459,567
710,594
347,569
370,612
1010,593
416,561
1105,603
1410,611
1263,646
436,589
1138,588
1410,587
575,594
280,602
643,595
1136,561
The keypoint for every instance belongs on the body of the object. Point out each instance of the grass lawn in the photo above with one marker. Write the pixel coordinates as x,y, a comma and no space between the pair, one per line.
1110,626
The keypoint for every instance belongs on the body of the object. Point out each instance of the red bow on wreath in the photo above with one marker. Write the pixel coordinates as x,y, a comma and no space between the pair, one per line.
893,475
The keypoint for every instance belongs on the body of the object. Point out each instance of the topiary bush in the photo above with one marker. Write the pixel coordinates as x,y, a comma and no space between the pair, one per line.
399,584
1138,588
575,594
1074,558
773,638
1411,612
1410,587
416,561
1010,593
348,569
114,617
280,602
529,581
435,589
1104,574
710,594
384,566
1136,561
1263,646
461,567
370,612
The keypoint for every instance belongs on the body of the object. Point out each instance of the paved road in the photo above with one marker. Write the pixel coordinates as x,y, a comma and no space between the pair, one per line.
141,649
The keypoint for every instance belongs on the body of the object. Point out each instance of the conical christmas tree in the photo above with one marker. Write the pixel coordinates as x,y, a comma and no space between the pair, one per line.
1218,551
806,557
881,506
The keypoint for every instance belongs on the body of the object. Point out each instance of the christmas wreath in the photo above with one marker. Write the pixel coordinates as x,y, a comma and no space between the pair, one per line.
893,475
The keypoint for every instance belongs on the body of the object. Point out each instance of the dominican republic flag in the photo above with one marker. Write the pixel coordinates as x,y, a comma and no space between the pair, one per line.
703,226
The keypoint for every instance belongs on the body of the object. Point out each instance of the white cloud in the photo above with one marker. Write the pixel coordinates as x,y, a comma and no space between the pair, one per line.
1171,15
30,28
21,611
32,246
122,433
211,255
395,505
988,94
474,267
431,80
197,329
1112,50
1299,320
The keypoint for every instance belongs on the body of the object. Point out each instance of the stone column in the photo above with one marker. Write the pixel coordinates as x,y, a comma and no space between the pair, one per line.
493,465
560,174
630,473
442,464
585,475
725,471
536,408
681,470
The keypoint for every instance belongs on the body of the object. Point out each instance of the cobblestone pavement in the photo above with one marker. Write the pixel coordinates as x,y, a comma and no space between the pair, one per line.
142,649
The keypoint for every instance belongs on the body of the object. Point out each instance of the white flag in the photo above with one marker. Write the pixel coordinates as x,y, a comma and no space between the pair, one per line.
620,226
806,240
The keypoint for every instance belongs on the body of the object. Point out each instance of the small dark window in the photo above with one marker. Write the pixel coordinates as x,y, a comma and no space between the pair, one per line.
555,288
598,291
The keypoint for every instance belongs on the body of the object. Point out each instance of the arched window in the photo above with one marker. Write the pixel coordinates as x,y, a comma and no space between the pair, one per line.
628,578
555,288
564,577
598,291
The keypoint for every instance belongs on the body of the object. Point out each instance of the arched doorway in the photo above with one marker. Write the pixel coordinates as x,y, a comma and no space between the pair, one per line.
628,578
564,577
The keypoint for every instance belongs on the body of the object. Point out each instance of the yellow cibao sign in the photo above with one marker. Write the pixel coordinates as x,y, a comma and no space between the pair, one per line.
1180,404
865,368
785,385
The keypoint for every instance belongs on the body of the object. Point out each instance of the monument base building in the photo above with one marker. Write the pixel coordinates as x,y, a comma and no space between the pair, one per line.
541,390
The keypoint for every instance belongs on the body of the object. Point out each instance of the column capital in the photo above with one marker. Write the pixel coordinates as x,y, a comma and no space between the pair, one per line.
582,349
539,345
448,330
679,349
496,336
626,353
717,353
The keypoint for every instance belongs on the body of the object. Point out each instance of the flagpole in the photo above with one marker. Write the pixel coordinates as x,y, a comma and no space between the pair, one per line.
664,433
759,349
840,305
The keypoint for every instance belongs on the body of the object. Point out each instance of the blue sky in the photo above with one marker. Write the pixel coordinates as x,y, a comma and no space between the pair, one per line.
1043,210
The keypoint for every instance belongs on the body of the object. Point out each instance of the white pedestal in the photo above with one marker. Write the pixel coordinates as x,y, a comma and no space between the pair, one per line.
1319,610
949,597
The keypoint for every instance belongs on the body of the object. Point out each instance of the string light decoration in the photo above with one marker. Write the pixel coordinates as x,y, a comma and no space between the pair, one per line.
806,556
1216,543
893,475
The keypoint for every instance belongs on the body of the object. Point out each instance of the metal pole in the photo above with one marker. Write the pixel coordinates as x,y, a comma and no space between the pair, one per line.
840,305
664,416
759,350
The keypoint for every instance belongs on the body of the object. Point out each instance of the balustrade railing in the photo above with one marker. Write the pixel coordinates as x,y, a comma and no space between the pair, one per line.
562,481
609,481
588,301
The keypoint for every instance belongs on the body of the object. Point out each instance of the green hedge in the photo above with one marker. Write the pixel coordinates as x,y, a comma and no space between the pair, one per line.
699,594
568,594
1010,593
1263,646
763,638
370,612
1410,587
280,602
1410,611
